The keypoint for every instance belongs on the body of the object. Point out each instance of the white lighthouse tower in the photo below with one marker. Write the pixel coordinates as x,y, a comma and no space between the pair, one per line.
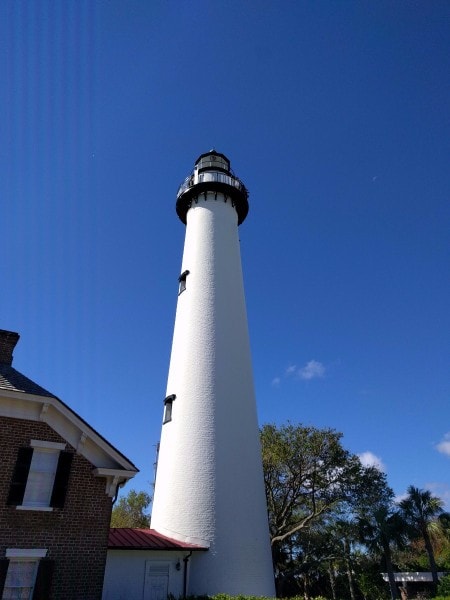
209,486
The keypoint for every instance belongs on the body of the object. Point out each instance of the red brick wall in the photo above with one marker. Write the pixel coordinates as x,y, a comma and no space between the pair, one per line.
76,535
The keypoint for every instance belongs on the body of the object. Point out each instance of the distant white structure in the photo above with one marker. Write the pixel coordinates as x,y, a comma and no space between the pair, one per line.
209,486
413,576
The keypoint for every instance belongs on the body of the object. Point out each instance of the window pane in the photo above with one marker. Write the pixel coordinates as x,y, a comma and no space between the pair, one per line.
44,460
41,477
20,580
39,489
167,412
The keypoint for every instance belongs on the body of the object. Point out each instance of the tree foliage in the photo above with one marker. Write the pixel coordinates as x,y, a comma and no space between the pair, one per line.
444,586
314,487
421,509
334,524
130,510
307,473
382,531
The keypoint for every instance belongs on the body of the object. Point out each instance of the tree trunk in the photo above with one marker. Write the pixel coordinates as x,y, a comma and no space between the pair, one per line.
349,570
390,571
279,583
351,587
305,587
332,580
431,560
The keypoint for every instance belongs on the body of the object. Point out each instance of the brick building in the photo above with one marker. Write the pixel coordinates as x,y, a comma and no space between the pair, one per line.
58,480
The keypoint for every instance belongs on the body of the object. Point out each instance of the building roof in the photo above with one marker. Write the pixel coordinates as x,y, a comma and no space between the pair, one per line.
12,380
21,398
128,538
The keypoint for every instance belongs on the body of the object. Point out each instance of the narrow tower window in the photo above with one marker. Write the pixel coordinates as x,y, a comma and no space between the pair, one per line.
168,408
182,281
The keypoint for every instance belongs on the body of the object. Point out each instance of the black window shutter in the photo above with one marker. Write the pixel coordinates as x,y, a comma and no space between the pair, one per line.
20,476
61,479
43,579
4,562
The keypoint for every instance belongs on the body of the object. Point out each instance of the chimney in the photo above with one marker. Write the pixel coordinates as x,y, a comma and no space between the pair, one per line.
8,341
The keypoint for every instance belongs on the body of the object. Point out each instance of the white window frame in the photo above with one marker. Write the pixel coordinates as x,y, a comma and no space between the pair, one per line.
41,446
26,552
22,555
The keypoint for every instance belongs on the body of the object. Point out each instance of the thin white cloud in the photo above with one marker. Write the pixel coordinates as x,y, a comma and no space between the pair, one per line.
312,370
369,459
399,497
444,446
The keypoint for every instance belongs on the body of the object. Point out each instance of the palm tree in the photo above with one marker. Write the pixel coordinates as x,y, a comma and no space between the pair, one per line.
421,509
380,532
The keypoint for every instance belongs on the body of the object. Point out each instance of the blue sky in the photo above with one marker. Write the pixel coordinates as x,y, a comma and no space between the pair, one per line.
336,115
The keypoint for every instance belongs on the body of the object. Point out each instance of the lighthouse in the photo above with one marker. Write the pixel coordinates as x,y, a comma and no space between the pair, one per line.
209,487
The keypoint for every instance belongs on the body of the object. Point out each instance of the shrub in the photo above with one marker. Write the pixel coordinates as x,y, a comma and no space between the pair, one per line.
443,588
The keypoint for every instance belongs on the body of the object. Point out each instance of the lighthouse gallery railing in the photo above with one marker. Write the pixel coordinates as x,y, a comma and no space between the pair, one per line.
211,176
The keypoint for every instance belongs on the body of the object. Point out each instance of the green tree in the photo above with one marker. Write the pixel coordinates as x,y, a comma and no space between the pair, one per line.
443,553
130,510
370,581
381,530
421,510
309,476
306,472
333,543
443,588
345,533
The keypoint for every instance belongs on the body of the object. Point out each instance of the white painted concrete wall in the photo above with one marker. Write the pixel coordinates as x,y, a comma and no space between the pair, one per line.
125,573
209,485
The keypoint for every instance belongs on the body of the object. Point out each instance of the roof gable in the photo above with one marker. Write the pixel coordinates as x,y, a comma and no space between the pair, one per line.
21,398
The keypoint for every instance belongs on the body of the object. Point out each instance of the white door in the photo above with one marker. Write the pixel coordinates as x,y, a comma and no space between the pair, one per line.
156,584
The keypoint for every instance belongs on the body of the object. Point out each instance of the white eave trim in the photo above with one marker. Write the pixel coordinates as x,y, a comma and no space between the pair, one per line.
100,472
86,432
114,479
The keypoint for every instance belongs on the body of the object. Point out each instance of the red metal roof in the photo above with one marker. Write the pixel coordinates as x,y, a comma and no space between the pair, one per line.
145,539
